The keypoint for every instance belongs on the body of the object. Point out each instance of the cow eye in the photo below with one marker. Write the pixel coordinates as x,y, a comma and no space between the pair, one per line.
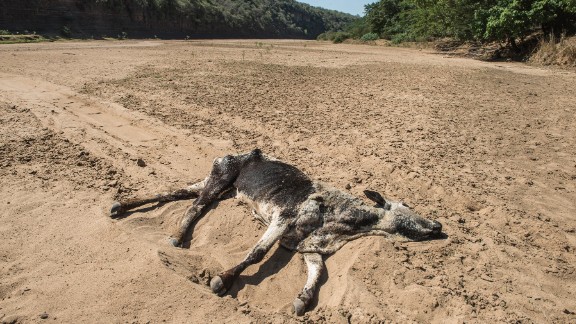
405,204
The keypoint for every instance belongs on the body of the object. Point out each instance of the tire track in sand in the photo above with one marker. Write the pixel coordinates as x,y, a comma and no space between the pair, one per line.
108,131
114,133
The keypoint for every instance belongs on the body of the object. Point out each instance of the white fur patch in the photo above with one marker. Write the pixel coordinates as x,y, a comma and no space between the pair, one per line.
264,212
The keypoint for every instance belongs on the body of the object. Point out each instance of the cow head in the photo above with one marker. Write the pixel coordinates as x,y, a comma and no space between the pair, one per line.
399,218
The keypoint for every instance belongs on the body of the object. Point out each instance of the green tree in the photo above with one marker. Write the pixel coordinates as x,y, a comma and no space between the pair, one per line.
383,17
485,20
554,16
510,20
358,28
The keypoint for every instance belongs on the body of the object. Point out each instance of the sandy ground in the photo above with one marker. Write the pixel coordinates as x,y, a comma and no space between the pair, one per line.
488,149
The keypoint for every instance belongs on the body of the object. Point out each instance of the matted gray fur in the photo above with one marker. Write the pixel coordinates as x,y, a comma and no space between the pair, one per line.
305,216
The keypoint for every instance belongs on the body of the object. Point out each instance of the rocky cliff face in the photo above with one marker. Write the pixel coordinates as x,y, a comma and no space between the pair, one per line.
168,18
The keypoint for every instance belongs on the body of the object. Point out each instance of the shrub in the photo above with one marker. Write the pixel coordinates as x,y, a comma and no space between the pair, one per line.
336,37
341,37
369,37
327,36
401,37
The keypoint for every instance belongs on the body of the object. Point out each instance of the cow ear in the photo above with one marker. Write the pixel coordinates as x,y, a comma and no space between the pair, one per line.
375,197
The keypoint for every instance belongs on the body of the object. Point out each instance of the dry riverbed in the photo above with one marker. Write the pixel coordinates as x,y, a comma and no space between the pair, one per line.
487,149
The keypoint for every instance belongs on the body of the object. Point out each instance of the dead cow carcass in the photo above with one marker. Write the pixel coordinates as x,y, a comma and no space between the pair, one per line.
306,216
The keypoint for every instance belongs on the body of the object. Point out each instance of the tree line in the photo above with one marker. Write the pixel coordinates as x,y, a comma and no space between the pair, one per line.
484,20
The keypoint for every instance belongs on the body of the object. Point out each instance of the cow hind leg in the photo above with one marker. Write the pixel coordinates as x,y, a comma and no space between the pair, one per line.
315,265
222,282
119,207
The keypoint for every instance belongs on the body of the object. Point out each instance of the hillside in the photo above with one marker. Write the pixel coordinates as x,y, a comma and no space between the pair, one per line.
170,18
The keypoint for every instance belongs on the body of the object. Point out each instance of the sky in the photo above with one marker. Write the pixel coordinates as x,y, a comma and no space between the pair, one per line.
355,7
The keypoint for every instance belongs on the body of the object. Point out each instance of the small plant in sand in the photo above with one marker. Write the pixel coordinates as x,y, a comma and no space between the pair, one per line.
66,32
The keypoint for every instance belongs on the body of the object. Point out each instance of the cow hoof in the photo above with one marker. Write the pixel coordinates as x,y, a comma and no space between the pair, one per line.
217,286
116,209
174,242
299,307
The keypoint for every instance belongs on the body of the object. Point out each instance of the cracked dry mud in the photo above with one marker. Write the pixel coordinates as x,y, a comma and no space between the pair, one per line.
487,149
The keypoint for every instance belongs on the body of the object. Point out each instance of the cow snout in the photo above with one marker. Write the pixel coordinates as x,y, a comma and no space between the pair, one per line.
436,228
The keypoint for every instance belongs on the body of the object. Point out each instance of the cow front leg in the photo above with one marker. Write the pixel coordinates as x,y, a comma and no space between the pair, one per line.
119,207
222,282
207,197
192,214
315,265
218,183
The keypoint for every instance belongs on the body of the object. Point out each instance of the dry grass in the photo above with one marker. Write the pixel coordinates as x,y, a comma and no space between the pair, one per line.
553,52
24,38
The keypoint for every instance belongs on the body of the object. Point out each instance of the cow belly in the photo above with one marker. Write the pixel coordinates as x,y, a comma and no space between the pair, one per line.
309,219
